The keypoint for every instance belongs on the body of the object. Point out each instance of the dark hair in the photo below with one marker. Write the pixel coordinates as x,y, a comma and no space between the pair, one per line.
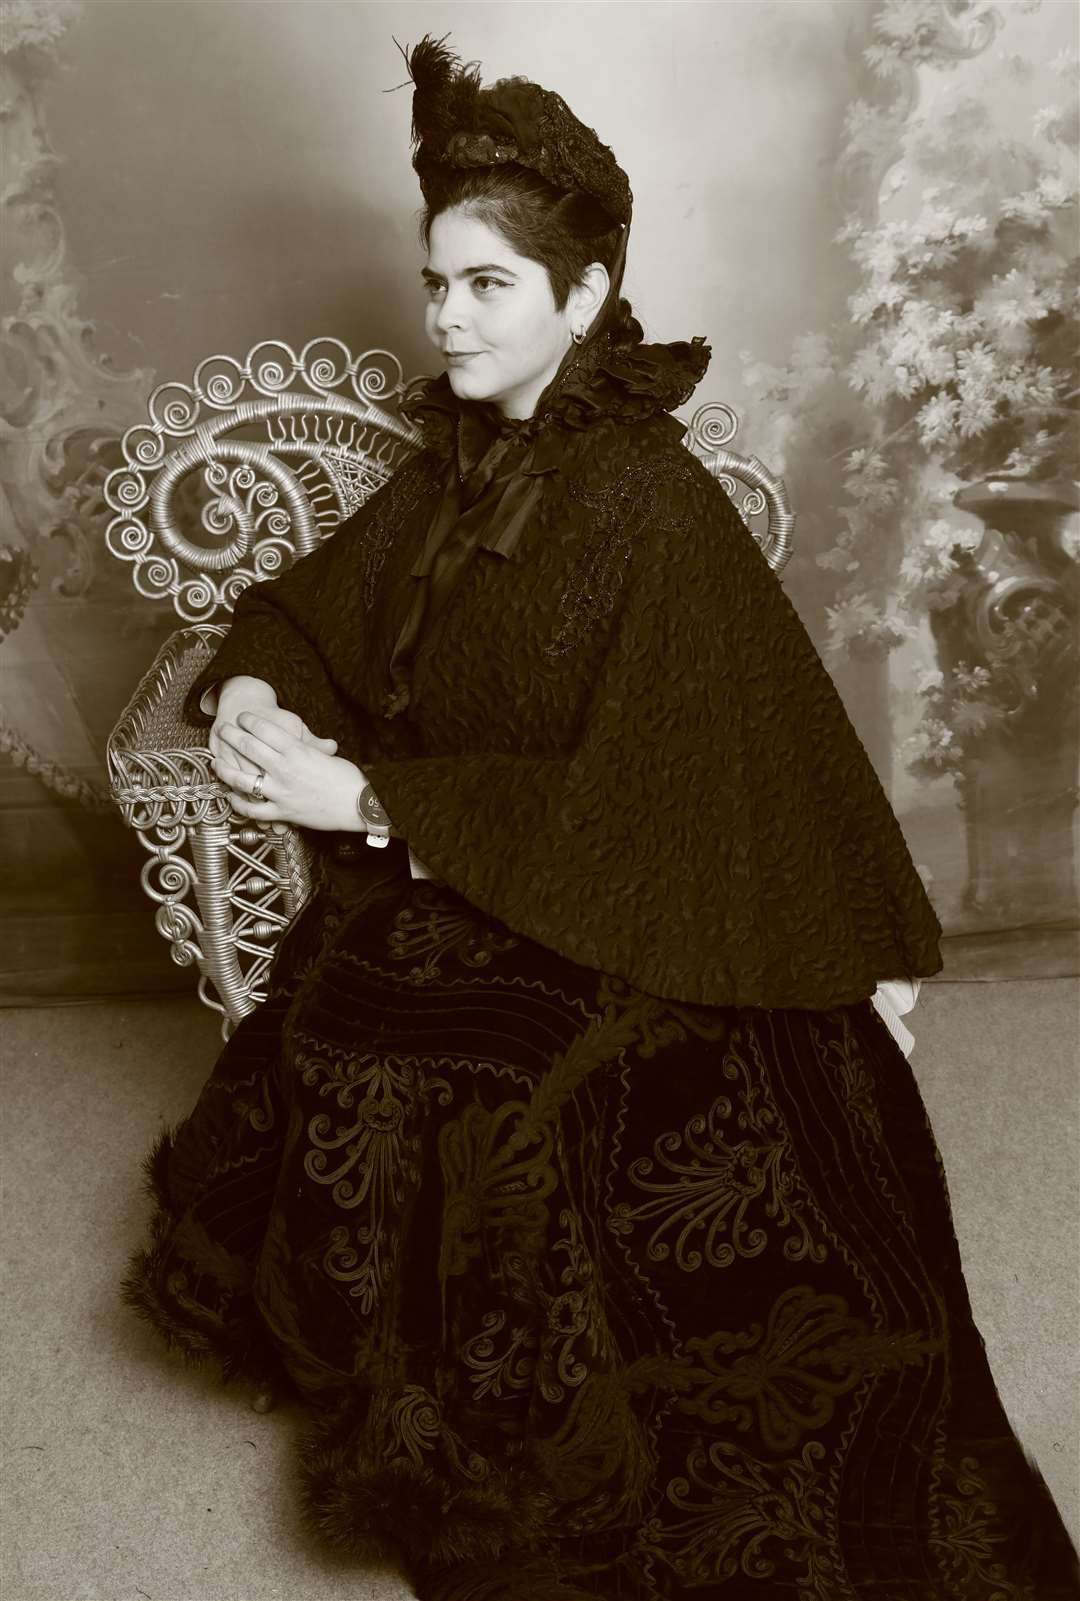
564,230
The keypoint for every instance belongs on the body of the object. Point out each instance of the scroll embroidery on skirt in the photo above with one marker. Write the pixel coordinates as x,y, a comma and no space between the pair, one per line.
649,1300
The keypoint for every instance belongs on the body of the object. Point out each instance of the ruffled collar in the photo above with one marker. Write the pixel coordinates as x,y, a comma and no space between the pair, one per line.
608,378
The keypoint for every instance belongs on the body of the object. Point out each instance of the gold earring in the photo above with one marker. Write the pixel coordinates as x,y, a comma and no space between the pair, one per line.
579,336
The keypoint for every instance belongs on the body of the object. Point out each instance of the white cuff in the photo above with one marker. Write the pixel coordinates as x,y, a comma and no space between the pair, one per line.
902,993
893,997
417,868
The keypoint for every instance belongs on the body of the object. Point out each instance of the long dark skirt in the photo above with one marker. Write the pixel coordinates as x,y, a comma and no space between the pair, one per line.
588,1293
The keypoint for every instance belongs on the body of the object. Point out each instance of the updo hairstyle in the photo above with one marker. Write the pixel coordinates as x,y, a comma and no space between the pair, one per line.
564,230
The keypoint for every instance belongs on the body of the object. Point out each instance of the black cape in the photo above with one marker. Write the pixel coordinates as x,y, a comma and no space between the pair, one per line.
588,705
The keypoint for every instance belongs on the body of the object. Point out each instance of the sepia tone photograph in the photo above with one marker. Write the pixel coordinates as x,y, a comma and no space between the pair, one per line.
539,748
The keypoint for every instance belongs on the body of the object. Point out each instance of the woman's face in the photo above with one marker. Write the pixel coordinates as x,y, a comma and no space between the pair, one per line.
492,314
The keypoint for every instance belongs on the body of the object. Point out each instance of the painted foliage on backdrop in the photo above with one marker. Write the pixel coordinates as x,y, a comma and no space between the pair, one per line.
72,636
953,386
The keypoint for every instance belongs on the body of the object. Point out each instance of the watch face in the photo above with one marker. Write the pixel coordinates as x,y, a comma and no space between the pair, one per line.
370,810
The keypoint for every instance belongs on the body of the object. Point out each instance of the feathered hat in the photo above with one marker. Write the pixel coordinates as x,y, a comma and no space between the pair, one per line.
458,124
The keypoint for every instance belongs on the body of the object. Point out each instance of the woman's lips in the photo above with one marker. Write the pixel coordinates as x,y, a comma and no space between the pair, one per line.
454,357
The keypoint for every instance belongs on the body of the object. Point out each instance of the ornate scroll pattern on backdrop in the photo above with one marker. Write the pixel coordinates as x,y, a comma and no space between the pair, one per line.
66,407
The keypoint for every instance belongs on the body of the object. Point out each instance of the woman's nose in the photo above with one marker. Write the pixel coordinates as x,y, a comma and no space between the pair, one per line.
449,314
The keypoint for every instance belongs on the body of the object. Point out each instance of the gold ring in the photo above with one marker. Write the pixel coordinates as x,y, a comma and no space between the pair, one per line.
257,787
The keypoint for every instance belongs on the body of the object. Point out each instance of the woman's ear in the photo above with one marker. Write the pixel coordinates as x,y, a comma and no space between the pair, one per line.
589,295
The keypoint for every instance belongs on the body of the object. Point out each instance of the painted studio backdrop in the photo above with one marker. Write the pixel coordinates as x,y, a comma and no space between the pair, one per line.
868,207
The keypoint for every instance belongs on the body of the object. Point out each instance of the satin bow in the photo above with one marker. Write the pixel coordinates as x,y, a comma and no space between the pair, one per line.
489,506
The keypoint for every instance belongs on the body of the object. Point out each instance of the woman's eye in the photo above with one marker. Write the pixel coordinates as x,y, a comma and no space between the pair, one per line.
483,284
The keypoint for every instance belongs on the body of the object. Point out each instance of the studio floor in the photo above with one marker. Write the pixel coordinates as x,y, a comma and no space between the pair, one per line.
127,1475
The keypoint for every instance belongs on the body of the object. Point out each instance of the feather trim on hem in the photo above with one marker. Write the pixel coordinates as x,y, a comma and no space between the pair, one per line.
153,1288
477,1581
360,1502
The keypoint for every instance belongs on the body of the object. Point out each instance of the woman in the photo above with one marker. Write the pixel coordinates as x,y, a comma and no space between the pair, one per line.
568,1175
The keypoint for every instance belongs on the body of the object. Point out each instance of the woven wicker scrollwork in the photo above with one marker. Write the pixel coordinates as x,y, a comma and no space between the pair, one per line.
250,465
711,430
235,474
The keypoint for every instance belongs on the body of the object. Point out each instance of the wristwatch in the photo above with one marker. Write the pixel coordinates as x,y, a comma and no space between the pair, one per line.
374,817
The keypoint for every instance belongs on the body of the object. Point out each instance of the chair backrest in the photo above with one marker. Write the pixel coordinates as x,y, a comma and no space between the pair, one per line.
254,462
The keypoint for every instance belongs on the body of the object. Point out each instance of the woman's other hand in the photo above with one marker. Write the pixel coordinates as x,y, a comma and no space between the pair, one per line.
304,783
229,709
226,701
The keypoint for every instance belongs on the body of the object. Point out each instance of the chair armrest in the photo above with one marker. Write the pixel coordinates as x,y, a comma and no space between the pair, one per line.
159,763
226,887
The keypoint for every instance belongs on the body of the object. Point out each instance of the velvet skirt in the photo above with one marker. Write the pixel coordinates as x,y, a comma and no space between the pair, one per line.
587,1293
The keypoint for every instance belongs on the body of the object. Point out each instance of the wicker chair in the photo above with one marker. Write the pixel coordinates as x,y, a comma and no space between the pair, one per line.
237,473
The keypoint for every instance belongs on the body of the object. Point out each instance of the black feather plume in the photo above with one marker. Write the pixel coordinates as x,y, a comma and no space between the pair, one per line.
444,94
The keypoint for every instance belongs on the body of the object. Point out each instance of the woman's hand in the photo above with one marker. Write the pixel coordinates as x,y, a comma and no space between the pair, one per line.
288,722
304,783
